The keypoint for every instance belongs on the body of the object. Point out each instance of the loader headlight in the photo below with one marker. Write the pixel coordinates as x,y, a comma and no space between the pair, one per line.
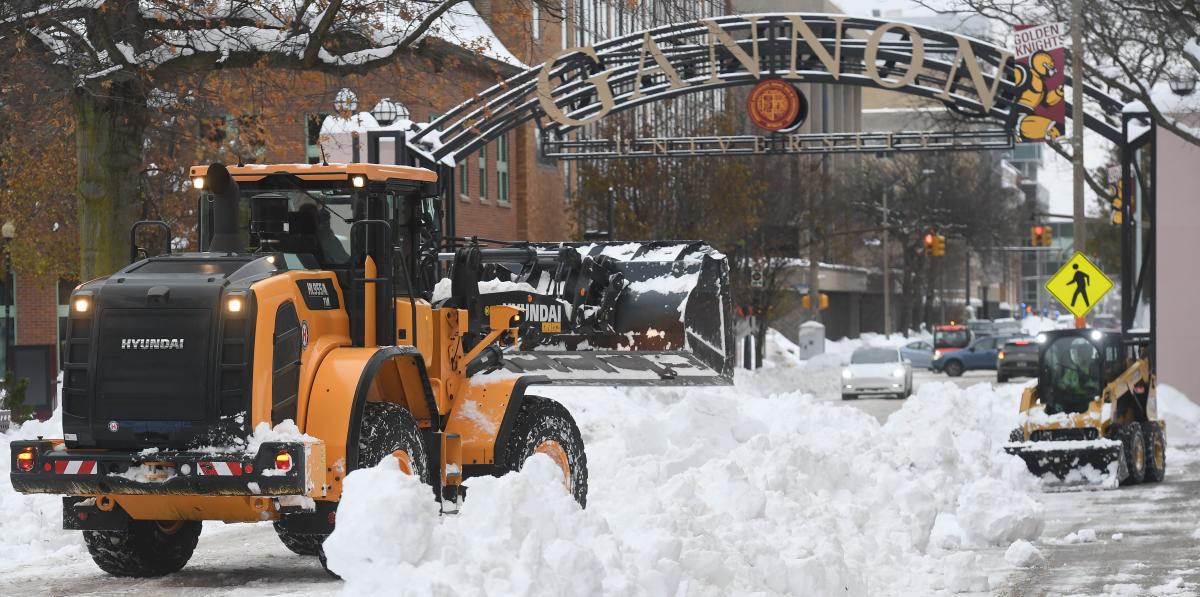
198,182
358,181
1041,338
234,304
81,304
1096,335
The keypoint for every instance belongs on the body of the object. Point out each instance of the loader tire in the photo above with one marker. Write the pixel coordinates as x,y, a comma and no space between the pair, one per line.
386,429
546,426
308,544
389,428
1156,453
1133,452
148,548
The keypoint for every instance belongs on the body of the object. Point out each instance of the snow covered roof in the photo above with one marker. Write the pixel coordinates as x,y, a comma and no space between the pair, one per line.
463,27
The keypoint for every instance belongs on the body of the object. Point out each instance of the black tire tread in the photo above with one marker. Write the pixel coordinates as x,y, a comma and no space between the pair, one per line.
543,419
1154,433
143,550
1130,434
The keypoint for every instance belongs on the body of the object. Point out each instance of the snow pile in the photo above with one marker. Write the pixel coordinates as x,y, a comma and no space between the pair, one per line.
285,431
1023,554
32,525
1080,536
1182,417
714,492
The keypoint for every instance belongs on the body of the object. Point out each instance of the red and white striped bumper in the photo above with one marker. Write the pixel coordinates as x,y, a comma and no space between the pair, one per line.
45,466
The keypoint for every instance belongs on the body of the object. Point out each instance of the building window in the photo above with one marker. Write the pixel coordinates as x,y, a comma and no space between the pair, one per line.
464,181
312,136
483,174
502,169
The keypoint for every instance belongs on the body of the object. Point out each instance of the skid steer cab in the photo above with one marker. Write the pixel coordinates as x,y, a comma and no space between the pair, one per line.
319,330
1092,419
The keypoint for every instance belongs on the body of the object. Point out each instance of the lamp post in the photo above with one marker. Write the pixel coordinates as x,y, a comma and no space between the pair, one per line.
386,111
8,231
1183,84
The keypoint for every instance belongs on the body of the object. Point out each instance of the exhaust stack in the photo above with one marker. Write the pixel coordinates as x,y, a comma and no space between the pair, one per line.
225,197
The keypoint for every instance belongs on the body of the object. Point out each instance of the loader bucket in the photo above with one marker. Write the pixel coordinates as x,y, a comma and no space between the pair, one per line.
620,313
1072,464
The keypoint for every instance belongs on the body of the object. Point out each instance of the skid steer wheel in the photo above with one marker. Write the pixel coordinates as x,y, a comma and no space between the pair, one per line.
546,427
954,368
146,549
1156,453
1133,452
388,429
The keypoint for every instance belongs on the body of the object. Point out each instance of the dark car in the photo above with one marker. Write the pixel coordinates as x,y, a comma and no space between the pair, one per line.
980,354
1018,358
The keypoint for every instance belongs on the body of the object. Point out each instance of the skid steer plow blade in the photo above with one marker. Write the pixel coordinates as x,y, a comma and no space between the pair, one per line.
1069,464
618,313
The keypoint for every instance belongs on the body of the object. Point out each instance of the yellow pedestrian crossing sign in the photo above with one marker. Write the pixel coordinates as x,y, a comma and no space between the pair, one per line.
1079,285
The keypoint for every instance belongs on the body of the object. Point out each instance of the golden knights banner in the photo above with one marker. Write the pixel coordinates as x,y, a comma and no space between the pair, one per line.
1041,58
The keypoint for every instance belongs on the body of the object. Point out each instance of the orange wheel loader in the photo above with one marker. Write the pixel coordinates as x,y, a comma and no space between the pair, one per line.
325,325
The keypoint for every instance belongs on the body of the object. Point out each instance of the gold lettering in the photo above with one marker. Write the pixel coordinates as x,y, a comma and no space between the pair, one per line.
600,80
794,143
827,141
659,146
716,33
759,145
987,97
664,66
832,62
723,142
887,140
914,67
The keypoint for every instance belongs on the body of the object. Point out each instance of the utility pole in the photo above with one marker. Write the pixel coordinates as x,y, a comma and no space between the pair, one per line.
967,281
1078,231
887,272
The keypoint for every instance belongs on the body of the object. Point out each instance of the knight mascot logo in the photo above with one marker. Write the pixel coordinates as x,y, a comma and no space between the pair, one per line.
1034,83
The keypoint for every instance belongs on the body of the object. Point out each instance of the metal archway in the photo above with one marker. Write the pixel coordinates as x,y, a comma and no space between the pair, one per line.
581,85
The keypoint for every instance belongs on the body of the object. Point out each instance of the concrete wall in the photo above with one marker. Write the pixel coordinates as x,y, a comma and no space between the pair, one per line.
1178,289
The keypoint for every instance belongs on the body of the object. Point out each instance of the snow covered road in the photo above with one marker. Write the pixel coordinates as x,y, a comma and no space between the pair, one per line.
772,486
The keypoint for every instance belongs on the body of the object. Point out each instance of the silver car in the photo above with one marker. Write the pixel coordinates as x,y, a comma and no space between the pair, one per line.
877,371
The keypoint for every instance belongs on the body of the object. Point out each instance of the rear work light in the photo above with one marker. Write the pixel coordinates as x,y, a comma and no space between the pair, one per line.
25,459
283,461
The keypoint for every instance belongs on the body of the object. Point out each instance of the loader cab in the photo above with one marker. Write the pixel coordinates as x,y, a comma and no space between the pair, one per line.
306,214
1074,367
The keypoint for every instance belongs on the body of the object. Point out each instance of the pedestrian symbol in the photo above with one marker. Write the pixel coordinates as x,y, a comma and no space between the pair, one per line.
1079,285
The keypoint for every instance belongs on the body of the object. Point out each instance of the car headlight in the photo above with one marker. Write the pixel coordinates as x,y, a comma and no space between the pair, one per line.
898,372
846,374
937,354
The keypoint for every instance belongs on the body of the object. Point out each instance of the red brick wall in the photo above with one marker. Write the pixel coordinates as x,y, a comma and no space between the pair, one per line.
37,311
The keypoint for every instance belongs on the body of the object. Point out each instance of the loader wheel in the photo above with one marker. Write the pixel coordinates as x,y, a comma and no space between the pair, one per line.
954,368
389,429
1133,450
546,427
308,544
1156,454
148,548
386,429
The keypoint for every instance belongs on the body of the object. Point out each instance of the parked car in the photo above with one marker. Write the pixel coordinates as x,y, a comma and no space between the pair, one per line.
1018,357
980,354
919,353
877,371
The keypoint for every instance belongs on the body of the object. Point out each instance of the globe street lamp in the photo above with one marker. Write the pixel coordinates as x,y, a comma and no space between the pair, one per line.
385,112
345,102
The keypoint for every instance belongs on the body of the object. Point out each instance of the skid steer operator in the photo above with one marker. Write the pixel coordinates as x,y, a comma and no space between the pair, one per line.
1076,382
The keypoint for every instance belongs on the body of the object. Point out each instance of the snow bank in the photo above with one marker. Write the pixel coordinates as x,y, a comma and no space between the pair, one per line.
1023,554
1182,417
32,525
714,492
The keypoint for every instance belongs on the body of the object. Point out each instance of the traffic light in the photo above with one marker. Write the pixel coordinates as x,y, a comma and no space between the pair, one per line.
1040,236
939,246
1115,193
929,243
806,302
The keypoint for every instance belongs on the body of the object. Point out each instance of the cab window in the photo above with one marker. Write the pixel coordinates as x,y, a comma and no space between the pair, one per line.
1071,370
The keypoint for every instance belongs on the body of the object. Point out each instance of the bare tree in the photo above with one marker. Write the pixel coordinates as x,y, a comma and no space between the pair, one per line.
110,57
